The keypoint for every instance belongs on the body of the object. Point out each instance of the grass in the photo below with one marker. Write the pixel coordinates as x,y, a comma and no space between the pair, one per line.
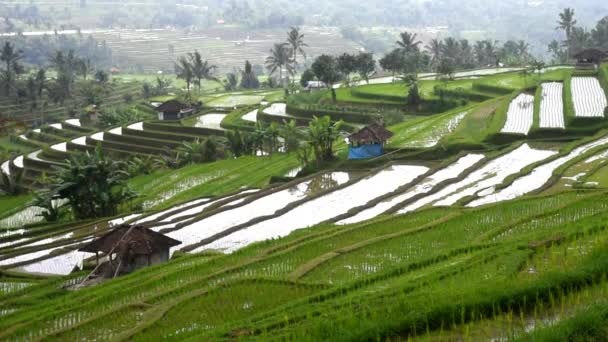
11,204
162,189
403,273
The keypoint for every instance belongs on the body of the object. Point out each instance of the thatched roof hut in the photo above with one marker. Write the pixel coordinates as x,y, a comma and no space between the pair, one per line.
174,110
370,134
590,56
131,247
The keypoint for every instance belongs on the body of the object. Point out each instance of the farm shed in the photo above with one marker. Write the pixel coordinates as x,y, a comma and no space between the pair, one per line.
589,58
174,110
131,247
368,142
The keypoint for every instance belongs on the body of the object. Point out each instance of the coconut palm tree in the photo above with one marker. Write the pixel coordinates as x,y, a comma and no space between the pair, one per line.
10,57
280,57
408,43
183,69
566,23
201,69
522,51
434,48
295,40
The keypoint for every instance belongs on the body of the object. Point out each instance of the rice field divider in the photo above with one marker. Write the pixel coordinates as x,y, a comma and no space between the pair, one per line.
340,290
489,156
37,232
289,206
337,291
502,228
158,312
406,187
340,251
12,252
219,205
538,98
312,264
502,299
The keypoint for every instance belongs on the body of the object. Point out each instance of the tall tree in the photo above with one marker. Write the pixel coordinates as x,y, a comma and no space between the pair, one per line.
434,48
183,69
347,64
201,69
408,42
566,22
325,68
280,58
365,65
522,50
392,61
10,57
295,40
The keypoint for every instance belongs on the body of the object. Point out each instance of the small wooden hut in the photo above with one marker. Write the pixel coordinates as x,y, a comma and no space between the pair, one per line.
129,248
173,110
368,142
589,58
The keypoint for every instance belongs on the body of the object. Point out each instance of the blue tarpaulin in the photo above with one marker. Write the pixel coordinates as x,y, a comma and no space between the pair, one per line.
365,151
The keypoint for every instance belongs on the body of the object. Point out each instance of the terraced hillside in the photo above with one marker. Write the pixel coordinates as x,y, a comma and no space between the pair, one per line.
526,263
227,47
358,250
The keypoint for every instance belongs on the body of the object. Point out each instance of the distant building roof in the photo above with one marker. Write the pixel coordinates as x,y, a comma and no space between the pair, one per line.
591,55
370,134
140,240
171,106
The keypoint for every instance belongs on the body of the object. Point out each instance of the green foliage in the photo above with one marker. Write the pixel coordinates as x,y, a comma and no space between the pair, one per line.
321,135
122,116
93,185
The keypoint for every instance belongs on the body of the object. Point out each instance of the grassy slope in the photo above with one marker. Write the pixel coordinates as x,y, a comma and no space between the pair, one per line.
209,179
11,204
318,283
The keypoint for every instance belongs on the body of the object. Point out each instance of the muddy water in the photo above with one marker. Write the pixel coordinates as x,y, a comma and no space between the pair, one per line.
425,186
263,206
322,208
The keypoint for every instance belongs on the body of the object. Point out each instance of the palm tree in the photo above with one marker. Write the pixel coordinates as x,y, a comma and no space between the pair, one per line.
10,57
407,42
434,48
295,40
183,69
522,51
566,23
479,50
201,69
280,57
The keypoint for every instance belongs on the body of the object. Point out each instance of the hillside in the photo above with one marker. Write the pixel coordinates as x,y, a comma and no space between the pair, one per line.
483,220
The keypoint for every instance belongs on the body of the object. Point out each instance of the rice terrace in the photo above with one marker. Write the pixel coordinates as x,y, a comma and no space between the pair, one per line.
210,171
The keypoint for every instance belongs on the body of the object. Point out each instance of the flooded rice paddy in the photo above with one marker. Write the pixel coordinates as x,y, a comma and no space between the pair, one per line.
322,208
